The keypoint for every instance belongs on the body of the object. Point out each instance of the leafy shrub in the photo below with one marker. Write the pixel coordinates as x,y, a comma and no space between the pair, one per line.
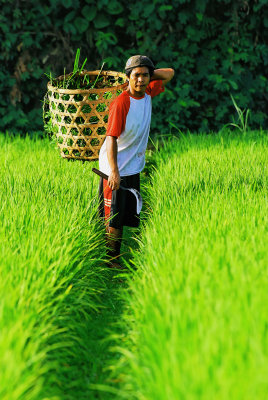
217,48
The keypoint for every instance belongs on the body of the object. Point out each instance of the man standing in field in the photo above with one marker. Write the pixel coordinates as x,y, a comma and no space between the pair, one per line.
122,155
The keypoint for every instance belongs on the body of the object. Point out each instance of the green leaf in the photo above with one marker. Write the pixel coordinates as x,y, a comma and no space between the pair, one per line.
120,22
199,16
114,7
89,12
71,28
27,41
182,103
112,61
183,17
101,21
148,10
158,24
81,24
233,84
165,8
69,17
67,3
191,32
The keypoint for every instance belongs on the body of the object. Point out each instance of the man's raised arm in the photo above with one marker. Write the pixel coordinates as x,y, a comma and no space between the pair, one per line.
164,74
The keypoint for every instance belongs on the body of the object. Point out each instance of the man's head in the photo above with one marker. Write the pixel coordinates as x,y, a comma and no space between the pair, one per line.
139,61
139,70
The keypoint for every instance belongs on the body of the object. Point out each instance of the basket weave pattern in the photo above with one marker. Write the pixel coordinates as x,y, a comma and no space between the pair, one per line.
80,116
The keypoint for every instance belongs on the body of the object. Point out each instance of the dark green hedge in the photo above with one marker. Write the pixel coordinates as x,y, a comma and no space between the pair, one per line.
217,48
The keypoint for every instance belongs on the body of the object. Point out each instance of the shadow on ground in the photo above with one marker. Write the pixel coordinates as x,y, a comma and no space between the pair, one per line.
104,323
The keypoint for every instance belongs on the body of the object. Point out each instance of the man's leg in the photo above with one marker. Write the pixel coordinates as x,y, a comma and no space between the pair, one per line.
114,239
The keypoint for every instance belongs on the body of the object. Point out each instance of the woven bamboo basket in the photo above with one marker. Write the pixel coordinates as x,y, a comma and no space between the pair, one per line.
79,116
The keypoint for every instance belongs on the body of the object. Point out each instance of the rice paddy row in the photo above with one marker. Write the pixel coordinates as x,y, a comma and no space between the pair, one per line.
56,293
196,316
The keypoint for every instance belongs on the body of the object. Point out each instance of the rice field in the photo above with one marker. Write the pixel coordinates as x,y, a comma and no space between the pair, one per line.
188,320
53,283
196,315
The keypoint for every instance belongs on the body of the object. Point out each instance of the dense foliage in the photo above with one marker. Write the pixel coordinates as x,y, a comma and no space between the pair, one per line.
216,47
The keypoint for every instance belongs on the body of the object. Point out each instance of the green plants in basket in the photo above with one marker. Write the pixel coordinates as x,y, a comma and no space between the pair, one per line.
76,107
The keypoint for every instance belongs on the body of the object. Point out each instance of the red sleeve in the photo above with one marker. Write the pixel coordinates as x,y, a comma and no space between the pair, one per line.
155,87
117,115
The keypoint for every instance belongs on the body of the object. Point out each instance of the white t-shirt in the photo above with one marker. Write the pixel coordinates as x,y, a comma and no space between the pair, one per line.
129,121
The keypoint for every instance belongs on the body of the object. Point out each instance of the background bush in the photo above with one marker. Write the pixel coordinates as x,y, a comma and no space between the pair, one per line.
217,48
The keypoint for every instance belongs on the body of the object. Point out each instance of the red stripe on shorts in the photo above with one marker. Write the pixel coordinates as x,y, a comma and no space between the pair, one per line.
107,195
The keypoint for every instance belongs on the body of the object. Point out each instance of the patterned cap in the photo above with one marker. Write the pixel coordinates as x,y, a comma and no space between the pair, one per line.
139,61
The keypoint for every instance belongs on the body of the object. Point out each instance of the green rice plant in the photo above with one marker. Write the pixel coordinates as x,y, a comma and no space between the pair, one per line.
97,76
88,153
49,76
195,315
71,108
80,120
86,108
107,95
94,119
101,107
74,131
94,142
87,131
52,274
67,120
101,130
61,107
81,142
93,96
242,123
69,142
75,80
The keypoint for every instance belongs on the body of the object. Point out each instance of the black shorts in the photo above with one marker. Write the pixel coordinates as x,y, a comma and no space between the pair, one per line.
119,207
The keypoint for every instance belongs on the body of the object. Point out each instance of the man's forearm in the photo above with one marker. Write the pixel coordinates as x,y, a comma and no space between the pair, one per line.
111,147
114,177
164,74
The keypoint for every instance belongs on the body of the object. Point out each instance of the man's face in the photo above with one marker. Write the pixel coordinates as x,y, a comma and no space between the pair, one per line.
138,81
